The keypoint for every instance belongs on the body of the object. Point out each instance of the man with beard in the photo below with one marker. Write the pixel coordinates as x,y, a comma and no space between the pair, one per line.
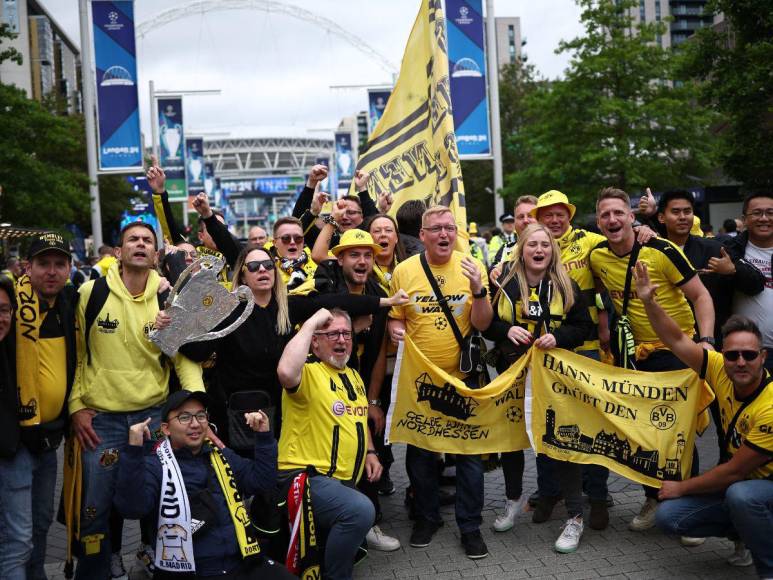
463,284
122,379
35,421
325,442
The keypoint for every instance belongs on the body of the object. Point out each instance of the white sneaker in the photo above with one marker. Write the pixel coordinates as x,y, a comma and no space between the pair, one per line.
378,540
741,557
646,518
506,521
690,542
117,570
569,539
147,557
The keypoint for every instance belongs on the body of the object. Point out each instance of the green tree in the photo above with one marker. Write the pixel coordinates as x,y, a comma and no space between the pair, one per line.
615,119
734,63
9,53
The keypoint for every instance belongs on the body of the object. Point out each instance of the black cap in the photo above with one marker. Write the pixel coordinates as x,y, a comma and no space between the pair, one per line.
46,242
179,398
507,217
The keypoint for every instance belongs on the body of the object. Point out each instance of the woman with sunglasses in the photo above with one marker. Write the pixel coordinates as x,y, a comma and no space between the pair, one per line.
292,257
537,304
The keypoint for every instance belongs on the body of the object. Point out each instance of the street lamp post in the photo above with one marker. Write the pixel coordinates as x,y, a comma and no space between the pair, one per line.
496,131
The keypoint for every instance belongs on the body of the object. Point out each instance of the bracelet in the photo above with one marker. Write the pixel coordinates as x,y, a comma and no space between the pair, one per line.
374,402
707,340
328,219
372,452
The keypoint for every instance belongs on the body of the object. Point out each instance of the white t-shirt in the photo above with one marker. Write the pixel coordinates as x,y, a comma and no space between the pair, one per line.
758,307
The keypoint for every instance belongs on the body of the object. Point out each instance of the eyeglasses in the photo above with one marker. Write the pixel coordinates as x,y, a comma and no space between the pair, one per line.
193,254
758,213
333,335
748,355
437,229
6,311
185,418
255,265
353,212
287,238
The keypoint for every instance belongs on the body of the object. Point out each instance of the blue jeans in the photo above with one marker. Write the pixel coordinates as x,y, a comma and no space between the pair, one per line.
100,469
745,508
27,485
344,516
422,471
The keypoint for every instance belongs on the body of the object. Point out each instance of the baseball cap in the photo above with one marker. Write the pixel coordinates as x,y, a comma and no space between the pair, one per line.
179,398
356,239
48,241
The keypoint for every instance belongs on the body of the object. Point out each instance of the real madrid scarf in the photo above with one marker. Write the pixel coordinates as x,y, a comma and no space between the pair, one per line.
174,540
302,557
28,324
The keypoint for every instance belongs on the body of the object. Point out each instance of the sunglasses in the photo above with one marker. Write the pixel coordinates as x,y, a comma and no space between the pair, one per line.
287,238
748,355
255,265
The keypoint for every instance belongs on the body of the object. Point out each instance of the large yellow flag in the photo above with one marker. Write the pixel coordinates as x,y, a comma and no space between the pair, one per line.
640,425
412,152
432,410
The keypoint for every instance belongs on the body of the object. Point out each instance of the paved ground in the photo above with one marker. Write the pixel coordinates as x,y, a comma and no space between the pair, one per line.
524,552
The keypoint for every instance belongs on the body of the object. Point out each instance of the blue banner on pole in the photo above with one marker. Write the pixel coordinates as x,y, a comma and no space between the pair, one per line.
377,102
171,150
195,169
344,160
120,143
467,67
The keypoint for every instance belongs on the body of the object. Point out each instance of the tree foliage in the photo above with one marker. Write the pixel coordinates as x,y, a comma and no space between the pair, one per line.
734,63
8,53
615,119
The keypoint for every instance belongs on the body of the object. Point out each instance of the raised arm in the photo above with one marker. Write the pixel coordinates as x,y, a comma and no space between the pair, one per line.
157,182
669,332
700,298
293,358
223,239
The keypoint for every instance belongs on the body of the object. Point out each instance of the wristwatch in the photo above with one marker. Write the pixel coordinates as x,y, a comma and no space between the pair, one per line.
375,402
483,293
707,339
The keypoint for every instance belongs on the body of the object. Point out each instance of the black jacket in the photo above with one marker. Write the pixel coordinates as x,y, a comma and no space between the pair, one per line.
302,211
736,247
11,433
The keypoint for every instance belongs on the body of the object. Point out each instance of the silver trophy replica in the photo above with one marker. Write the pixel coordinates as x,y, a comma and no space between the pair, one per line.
199,306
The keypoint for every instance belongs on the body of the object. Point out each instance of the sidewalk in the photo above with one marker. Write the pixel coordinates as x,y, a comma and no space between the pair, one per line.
524,552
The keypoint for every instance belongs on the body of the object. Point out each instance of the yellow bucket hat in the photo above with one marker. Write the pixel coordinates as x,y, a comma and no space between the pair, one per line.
356,239
553,197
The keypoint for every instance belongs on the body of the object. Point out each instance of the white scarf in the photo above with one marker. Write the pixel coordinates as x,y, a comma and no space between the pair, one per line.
174,540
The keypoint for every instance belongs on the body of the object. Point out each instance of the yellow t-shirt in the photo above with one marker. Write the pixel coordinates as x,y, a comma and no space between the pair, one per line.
668,268
324,422
423,316
52,369
748,422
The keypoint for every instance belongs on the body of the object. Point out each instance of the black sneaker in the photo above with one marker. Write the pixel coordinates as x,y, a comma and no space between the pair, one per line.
422,533
609,501
544,509
599,514
385,485
474,546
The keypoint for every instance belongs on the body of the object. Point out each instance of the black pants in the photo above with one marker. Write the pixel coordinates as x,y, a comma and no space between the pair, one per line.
263,569
384,451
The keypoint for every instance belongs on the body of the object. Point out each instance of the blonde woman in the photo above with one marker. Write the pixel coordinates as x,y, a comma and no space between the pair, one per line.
537,304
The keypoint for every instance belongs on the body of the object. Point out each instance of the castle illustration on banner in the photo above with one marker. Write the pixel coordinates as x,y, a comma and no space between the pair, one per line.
643,461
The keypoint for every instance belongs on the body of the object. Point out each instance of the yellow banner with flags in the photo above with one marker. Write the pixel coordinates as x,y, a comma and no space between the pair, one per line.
412,152
639,425
435,411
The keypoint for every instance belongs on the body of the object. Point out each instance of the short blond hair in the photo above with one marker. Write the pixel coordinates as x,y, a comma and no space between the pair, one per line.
434,210
613,193
531,199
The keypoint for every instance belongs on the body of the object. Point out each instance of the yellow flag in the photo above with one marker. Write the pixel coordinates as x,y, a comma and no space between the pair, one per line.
412,152
640,425
432,410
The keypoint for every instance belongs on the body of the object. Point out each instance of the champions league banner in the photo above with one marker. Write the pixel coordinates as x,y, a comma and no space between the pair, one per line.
120,145
172,141
377,102
344,160
467,65
195,168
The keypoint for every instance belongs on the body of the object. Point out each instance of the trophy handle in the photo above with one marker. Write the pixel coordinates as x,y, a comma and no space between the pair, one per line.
208,262
243,293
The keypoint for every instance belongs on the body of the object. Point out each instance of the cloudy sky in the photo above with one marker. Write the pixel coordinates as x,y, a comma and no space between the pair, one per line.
275,70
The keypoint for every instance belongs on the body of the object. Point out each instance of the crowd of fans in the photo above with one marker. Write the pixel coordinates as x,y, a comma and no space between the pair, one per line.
261,454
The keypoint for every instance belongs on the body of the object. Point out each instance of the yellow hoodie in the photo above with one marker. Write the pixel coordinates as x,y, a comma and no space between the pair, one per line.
126,371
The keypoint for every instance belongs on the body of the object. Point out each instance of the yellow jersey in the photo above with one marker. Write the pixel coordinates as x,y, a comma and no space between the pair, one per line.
668,268
324,422
423,316
744,422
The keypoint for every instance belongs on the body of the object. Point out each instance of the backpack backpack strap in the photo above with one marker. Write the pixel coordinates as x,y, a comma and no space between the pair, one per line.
99,293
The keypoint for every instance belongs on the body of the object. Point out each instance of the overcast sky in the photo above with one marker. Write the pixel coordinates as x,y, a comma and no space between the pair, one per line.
275,70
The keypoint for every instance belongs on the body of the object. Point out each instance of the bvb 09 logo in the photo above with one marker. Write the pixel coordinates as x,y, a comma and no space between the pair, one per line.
663,417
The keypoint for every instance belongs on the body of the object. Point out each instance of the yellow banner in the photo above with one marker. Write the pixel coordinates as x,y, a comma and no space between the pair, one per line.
640,425
412,152
435,411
